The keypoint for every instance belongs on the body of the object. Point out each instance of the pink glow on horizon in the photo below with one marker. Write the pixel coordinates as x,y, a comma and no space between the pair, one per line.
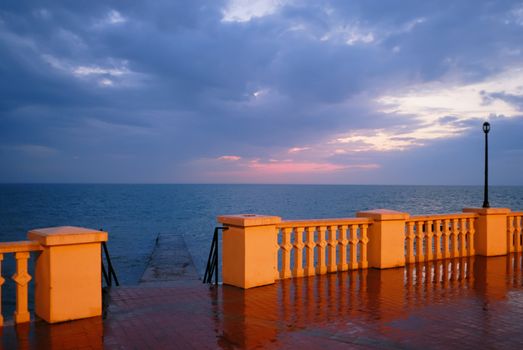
303,167
282,170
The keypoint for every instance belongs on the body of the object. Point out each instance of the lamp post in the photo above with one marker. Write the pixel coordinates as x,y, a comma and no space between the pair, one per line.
486,129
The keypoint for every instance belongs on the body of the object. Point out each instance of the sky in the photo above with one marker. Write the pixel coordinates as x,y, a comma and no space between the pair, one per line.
261,91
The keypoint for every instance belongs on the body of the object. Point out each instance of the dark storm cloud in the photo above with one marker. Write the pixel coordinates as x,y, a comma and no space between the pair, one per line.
143,88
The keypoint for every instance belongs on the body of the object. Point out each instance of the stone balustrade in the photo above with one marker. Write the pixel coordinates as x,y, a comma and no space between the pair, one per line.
434,237
330,245
514,231
259,250
21,251
68,281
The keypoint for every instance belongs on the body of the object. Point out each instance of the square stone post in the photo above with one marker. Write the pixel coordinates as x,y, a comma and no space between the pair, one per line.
491,230
68,277
249,250
386,247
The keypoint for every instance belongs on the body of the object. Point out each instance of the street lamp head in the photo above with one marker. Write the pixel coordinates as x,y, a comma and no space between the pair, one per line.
486,127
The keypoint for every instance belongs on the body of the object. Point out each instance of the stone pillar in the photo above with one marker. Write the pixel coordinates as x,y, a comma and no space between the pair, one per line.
491,230
68,278
249,250
386,247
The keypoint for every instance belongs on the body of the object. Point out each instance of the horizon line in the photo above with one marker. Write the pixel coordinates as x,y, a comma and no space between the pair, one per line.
243,184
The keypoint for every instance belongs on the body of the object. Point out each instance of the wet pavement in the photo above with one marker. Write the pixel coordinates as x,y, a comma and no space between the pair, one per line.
462,303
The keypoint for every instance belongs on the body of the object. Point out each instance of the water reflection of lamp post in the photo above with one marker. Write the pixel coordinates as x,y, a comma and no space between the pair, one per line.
486,129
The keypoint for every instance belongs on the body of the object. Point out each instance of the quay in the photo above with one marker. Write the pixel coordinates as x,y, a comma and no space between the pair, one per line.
381,280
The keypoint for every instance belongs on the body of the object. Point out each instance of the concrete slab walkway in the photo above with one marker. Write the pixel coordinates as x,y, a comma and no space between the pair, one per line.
170,261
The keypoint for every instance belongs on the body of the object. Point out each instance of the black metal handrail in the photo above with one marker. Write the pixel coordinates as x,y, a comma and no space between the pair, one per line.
212,261
110,273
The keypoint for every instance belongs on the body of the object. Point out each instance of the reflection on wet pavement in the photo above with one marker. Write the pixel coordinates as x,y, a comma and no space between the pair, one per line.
462,303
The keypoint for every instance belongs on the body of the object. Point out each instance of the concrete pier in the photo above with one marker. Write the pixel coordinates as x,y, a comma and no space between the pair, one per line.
170,261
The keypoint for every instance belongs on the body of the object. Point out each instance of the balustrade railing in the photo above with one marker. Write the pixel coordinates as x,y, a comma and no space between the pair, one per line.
316,247
434,237
514,232
21,251
268,249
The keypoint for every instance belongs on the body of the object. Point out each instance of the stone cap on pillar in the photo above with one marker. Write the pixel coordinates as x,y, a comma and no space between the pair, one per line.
487,211
65,235
383,214
244,220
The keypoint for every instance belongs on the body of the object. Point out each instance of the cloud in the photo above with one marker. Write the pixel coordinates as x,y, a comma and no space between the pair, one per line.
298,149
380,140
230,158
351,34
95,70
110,73
31,150
167,84
246,10
430,101
111,18
516,15
114,17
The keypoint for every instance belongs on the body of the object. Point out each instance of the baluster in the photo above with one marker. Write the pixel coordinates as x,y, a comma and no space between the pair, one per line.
517,238
446,233
277,272
472,232
343,265
298,252
410,242
353,241
22,278
286,247
364,263
510,234
321,268
309,257
2,280
419,241
333,242
453,235
437,239
428,240
462,235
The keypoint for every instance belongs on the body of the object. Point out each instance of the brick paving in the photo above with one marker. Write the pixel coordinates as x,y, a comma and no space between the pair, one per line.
470,303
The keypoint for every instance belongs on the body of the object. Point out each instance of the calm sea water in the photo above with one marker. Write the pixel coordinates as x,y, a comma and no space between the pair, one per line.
135,214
